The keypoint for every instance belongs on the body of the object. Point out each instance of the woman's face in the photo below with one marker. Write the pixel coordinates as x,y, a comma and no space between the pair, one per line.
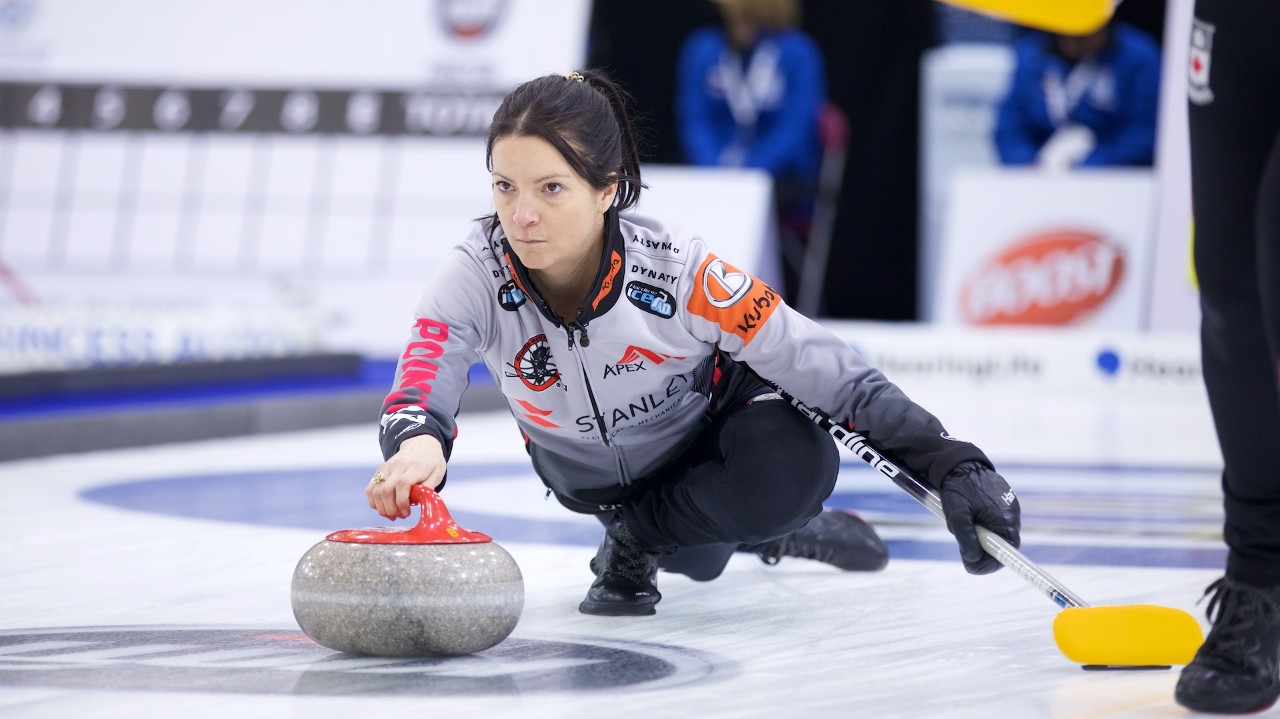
552,218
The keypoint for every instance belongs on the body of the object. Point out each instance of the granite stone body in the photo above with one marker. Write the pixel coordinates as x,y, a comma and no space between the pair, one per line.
407,600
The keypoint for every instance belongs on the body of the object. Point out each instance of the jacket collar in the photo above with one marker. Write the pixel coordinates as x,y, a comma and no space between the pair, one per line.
605,289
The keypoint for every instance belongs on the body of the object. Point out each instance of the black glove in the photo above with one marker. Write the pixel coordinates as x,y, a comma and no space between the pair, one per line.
973,493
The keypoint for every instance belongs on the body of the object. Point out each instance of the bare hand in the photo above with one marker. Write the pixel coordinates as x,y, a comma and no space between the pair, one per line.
420,460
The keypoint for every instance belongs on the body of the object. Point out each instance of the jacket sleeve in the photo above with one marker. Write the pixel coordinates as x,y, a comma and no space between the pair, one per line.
432,371
1133,140
1018,135
695,108
749,321
794,132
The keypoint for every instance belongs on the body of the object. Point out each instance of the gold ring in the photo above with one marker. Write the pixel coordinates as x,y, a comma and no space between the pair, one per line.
378,478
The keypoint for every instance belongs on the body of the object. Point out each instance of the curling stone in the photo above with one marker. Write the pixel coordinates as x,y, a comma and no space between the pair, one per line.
431,590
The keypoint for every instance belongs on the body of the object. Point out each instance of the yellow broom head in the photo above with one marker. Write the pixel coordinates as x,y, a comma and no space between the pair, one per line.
1127,635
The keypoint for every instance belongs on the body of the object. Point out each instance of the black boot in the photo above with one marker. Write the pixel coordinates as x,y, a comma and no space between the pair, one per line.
836,537
626,576
1234,672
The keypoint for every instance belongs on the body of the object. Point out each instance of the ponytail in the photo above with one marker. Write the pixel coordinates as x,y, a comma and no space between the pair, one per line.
629,183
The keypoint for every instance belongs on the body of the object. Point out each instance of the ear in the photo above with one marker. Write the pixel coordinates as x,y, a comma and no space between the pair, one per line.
607,196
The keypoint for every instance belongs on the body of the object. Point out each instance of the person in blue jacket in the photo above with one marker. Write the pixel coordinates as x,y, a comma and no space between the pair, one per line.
1081,101
749,94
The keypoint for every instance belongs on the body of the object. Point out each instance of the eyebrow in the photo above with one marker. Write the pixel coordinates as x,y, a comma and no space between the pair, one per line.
544,178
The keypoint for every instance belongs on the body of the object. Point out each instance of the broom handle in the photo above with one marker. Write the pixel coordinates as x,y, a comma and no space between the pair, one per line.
994,544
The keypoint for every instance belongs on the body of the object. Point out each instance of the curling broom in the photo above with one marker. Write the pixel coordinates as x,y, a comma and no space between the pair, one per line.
1135,636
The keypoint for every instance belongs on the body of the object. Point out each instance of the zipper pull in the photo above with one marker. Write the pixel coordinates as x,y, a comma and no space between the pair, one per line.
573,327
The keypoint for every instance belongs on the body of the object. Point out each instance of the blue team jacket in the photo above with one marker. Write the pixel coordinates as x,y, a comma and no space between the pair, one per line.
785,103
1119,105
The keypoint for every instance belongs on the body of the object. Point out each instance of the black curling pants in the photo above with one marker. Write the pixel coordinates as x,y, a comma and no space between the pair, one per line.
1235,172
758,471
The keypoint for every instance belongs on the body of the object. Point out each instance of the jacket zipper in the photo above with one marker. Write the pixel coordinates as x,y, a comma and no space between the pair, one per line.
571,328
585,341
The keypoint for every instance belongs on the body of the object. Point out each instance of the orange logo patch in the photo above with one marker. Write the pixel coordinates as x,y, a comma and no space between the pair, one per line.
733,299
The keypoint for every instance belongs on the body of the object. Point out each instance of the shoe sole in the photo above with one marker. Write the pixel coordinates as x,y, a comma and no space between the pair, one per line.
1236,706
618,610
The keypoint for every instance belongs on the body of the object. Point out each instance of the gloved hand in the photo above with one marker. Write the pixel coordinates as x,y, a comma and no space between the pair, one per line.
974,494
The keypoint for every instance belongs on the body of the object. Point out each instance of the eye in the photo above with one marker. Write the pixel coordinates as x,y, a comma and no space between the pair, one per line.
554,188
502,186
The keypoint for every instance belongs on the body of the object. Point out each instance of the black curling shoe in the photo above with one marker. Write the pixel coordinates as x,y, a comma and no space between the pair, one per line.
1234,672
626,576
837,537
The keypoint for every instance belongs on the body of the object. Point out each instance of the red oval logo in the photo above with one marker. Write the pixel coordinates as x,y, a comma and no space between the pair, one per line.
1050,278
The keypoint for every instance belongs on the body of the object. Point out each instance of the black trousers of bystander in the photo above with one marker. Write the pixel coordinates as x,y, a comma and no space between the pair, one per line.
1235,167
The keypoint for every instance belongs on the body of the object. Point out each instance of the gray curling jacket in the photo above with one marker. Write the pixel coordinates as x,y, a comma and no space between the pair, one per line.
623,388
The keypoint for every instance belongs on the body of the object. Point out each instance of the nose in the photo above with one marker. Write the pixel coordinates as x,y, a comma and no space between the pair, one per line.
524,213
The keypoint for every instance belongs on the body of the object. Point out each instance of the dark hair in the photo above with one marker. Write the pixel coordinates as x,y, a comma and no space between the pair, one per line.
583,115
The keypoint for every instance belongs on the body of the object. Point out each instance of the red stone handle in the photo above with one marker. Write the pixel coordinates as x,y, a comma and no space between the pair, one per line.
435,526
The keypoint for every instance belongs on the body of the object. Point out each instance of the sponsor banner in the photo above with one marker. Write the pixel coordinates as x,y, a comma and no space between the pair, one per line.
76,337
1035,361
1053,396
73,320
1024,247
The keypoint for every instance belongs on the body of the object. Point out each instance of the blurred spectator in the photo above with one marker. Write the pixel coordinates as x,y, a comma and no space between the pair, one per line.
749,93
1084,101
